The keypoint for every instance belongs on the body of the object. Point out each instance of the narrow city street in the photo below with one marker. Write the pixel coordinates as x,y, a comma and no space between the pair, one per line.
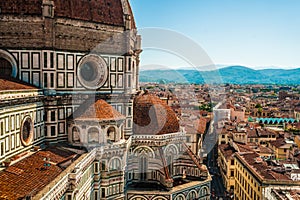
217,187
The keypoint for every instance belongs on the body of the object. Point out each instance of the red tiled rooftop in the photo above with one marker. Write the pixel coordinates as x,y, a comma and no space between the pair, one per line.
279,142
153,116
10,84
262,168
29,176
226,150
97,110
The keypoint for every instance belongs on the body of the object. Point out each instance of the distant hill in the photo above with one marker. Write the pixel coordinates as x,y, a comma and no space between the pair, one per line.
231,74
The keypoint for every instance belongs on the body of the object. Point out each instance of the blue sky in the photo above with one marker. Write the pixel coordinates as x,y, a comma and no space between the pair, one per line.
253,33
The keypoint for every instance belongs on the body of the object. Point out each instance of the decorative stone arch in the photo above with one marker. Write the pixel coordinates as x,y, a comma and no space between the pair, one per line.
75,134
180,197
171,148
144,150
138,197
115,163
192,195
204,191
171,152
112,133
93,134
159,198
5,55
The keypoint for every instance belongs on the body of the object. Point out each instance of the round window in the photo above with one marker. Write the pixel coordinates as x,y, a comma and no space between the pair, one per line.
27,131
92,71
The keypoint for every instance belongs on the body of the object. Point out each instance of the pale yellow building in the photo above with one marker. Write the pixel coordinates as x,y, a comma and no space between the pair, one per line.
227,166
255,179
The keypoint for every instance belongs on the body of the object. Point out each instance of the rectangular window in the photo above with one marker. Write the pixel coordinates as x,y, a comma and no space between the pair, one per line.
130,175
129,111
12,122
232,173
6,124
18,139
103,192
52,80
12,141
53,116
96,166
38,134
129,81
51,60
53,131
2,149
45,60
129,64
7,144
96,195
69,197
1,128
42,131
103,165
45,80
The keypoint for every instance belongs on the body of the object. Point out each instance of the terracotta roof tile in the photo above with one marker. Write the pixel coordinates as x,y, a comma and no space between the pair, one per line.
153,116
13,84
97,110
279,142
262,168
29,176
226,150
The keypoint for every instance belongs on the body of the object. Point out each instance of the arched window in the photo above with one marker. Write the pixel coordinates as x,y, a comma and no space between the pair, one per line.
191,195
75,134
138,198
5,68
180,197
143,168
111,134
115,164
203,192
170,153
93,135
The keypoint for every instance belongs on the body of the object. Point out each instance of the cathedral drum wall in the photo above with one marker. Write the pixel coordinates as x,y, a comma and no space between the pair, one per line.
21,128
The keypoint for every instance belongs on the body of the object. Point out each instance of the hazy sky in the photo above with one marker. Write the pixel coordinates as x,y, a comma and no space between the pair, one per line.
253,33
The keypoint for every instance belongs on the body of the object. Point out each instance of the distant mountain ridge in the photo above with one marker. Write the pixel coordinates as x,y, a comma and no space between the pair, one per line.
231,74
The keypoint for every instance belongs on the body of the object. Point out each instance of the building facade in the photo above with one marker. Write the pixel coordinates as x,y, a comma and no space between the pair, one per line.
72,124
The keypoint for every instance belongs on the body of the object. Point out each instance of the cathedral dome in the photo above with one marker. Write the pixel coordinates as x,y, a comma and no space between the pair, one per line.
66,25
100,11
153,117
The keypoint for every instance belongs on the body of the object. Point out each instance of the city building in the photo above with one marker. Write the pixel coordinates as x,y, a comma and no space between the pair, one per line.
257,179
